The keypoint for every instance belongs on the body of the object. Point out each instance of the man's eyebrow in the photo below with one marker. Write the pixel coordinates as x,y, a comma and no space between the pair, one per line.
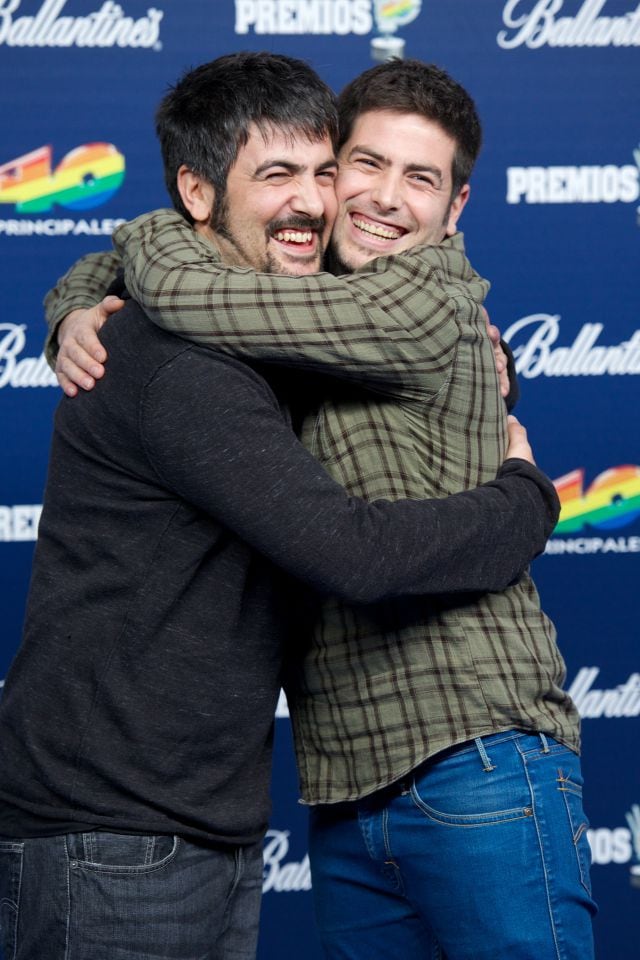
359,148
328,164
425,168
292,167
408,167
277,162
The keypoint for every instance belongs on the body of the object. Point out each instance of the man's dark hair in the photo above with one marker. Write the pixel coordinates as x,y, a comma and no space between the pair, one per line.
410,86
205,118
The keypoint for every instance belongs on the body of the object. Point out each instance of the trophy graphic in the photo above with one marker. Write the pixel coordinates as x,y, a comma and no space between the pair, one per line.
389,15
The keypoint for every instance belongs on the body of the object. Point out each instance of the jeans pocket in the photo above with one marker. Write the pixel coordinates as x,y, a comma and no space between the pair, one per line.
120,852
572,794
11,854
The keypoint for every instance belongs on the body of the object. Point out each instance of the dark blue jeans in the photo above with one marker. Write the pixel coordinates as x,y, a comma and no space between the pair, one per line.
481,854
103,896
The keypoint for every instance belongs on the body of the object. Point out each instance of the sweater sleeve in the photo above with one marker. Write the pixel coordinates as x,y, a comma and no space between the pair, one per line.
239,461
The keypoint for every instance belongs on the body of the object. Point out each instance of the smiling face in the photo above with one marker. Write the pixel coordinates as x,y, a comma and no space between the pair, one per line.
394,187
279,206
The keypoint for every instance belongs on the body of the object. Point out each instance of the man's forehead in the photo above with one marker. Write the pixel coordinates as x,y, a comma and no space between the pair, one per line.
387,126
295,143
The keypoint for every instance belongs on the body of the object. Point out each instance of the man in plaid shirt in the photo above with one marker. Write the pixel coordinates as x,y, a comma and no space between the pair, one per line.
433,737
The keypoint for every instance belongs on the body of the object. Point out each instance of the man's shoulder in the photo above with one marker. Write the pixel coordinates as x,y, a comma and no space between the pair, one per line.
162,357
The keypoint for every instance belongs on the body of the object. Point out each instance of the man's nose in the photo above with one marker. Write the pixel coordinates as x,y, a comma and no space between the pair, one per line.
387,190
308,199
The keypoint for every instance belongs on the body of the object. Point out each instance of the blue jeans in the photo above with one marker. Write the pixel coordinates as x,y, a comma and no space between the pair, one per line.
104,896
480,854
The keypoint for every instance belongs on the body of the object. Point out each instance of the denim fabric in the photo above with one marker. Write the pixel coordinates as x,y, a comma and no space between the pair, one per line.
480,855
103,896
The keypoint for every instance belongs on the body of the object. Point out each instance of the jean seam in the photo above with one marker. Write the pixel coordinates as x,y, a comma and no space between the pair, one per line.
19,849
67,930
468,820
150,850
542,858
576,831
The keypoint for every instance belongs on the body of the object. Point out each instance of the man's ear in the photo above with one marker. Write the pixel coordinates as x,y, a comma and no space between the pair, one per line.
457,206
197,195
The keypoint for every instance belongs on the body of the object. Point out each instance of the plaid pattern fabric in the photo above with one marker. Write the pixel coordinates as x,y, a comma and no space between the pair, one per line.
82,286
381,687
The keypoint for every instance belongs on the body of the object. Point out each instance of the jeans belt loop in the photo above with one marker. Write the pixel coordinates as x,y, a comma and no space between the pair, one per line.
544,742
484,756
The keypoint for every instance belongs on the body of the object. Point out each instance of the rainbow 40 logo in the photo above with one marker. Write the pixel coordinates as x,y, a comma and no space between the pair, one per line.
86,177
611,501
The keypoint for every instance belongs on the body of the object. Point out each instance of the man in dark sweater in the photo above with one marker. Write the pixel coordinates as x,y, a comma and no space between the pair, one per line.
136,721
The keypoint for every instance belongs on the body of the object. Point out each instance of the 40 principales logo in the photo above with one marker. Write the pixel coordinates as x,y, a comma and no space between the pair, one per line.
86,177
611,501
324,16
633,819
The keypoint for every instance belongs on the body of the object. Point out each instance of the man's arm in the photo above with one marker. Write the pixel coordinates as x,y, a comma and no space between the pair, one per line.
239,462
393,325
347,325
82,286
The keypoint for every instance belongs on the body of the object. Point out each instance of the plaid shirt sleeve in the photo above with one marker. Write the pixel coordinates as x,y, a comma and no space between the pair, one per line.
393,325
82,286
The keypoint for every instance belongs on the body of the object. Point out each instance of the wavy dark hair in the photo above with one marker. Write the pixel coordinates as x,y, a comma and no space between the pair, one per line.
205,119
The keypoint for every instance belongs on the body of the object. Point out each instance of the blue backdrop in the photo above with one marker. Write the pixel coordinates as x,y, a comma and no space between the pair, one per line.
554,222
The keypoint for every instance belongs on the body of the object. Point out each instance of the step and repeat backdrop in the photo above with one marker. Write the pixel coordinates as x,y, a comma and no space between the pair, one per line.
553,222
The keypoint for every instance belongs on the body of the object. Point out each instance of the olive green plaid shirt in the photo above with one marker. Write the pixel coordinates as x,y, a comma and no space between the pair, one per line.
381,687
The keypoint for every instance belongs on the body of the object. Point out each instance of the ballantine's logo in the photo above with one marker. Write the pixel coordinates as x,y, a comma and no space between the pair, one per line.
86,177
535,25
534,357
108,27
612,500
339,17
283,877
621,701
28,372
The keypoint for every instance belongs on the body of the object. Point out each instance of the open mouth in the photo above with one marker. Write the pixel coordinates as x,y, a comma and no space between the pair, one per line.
295,241
375,229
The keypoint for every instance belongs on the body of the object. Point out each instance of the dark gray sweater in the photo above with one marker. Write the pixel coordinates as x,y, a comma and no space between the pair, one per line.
178,506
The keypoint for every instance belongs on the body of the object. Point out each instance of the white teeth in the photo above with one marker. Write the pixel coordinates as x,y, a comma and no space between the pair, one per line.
291,236
385,232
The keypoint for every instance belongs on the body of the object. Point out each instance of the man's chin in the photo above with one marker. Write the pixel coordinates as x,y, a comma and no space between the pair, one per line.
347,259
292,267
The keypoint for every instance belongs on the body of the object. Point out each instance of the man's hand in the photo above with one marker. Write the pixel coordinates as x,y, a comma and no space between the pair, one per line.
81,356
500,356
518,443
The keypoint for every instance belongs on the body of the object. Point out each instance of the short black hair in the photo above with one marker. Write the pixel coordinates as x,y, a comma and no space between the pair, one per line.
410,86
204,119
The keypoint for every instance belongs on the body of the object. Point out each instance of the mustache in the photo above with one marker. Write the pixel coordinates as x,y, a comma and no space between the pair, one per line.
297,223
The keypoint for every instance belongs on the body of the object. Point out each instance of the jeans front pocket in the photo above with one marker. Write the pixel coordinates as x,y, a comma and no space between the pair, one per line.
11,854
120,852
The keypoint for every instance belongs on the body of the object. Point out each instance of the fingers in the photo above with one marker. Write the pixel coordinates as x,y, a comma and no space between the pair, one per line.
518,445
81,356
76,368
494,333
